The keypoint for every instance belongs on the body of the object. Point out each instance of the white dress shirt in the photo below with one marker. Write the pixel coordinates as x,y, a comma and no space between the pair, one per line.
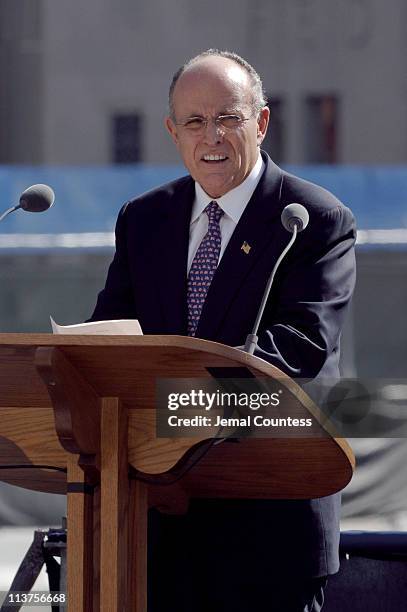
232,203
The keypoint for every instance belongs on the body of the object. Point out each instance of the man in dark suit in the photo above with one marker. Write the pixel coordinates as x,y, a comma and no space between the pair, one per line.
193,257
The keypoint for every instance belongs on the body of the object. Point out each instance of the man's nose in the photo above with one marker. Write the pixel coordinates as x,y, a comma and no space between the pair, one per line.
213,133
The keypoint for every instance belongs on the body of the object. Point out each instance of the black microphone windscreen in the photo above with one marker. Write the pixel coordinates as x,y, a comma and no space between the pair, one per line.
37,198
295,214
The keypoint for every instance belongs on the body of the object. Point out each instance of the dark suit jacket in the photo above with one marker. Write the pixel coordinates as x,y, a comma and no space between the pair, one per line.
299,332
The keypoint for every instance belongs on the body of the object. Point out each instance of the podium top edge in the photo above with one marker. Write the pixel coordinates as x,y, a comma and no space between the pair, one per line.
35,340
261,367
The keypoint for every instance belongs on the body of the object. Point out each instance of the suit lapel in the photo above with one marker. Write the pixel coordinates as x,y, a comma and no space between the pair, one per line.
256,228
172,249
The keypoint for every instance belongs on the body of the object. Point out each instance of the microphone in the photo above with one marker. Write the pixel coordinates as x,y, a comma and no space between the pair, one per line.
294,219
36,198
295,215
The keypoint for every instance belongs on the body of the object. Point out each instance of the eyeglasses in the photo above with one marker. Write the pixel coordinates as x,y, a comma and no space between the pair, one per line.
197,125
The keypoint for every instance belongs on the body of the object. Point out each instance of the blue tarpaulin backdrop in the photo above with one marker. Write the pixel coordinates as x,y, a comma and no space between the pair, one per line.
88,198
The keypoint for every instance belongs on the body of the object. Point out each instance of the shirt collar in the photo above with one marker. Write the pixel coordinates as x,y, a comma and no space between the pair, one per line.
234,201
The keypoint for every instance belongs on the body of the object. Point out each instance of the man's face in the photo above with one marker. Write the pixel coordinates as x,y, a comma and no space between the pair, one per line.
212,87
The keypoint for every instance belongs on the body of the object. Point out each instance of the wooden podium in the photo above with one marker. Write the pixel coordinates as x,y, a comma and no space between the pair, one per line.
82,408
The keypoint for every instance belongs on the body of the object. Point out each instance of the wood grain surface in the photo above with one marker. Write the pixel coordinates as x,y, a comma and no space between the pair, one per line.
114,487
87,404
79,543
127,367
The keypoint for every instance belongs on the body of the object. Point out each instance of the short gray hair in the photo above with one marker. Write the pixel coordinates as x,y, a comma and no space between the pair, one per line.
259,99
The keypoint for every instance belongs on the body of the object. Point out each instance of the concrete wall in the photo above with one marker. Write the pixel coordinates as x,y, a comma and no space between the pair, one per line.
66,285
22,89
379,314
72,65
35,286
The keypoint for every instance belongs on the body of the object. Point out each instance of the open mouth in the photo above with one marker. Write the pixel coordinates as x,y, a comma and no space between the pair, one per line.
214,159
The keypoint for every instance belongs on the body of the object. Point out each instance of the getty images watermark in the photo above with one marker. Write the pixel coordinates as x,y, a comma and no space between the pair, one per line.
266,407
224,407
219,400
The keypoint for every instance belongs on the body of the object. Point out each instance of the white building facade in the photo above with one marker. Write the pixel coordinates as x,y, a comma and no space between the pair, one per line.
86,83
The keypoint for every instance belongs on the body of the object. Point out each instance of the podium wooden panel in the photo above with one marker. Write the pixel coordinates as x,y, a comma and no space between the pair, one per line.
85,405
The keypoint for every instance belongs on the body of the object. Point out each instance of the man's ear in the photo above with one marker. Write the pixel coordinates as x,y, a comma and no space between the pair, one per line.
262,124
171,129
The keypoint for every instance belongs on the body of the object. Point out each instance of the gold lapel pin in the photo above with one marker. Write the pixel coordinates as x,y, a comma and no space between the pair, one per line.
245,248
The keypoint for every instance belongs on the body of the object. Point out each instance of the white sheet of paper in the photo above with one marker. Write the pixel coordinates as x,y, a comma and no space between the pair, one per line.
117,327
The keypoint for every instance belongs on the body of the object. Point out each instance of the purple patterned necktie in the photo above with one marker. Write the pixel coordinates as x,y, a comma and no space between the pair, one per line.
203,267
